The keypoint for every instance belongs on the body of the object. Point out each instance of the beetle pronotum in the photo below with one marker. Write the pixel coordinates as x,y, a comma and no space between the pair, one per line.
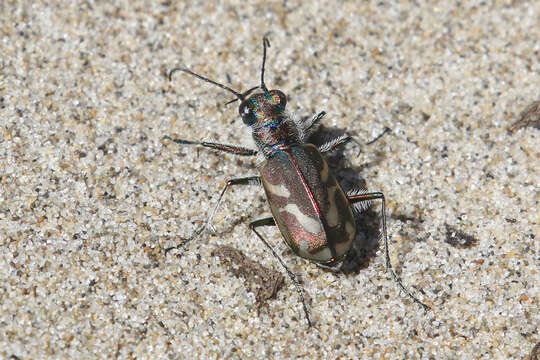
315,216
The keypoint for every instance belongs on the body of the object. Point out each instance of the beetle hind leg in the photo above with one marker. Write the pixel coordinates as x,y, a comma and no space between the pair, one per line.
251,180
362,200
269,221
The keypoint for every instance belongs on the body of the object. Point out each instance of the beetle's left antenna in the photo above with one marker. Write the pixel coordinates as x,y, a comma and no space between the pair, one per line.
266,43
238,95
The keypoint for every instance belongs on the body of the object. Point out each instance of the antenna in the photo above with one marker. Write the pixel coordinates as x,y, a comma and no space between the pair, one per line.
238,95
266,43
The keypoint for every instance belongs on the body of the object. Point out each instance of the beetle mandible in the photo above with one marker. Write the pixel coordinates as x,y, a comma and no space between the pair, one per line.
315,216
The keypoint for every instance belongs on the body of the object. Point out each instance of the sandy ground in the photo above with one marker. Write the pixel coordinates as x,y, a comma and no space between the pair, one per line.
91,194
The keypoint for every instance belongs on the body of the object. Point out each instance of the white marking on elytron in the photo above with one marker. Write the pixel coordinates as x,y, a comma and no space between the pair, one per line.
350,229
324,172
310,224
323,255
332,217
278,190
343,247
303,246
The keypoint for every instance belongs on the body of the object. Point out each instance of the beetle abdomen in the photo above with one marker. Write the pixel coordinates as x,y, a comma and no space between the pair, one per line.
308,204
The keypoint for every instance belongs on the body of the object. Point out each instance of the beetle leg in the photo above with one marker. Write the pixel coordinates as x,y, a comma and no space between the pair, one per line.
232,149
386,129
343,139
358,203
365,199
269,221
334,143
252,180
311,125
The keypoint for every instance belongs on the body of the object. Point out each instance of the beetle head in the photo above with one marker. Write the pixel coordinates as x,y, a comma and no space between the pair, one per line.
260,107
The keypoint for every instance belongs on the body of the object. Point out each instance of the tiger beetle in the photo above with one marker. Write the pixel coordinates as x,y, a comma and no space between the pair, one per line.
315,216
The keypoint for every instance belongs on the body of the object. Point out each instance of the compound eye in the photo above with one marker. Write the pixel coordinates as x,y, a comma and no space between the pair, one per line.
278,98
248,117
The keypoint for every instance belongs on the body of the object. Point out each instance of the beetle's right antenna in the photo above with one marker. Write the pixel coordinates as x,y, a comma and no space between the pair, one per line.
238,95
266,43
245,93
